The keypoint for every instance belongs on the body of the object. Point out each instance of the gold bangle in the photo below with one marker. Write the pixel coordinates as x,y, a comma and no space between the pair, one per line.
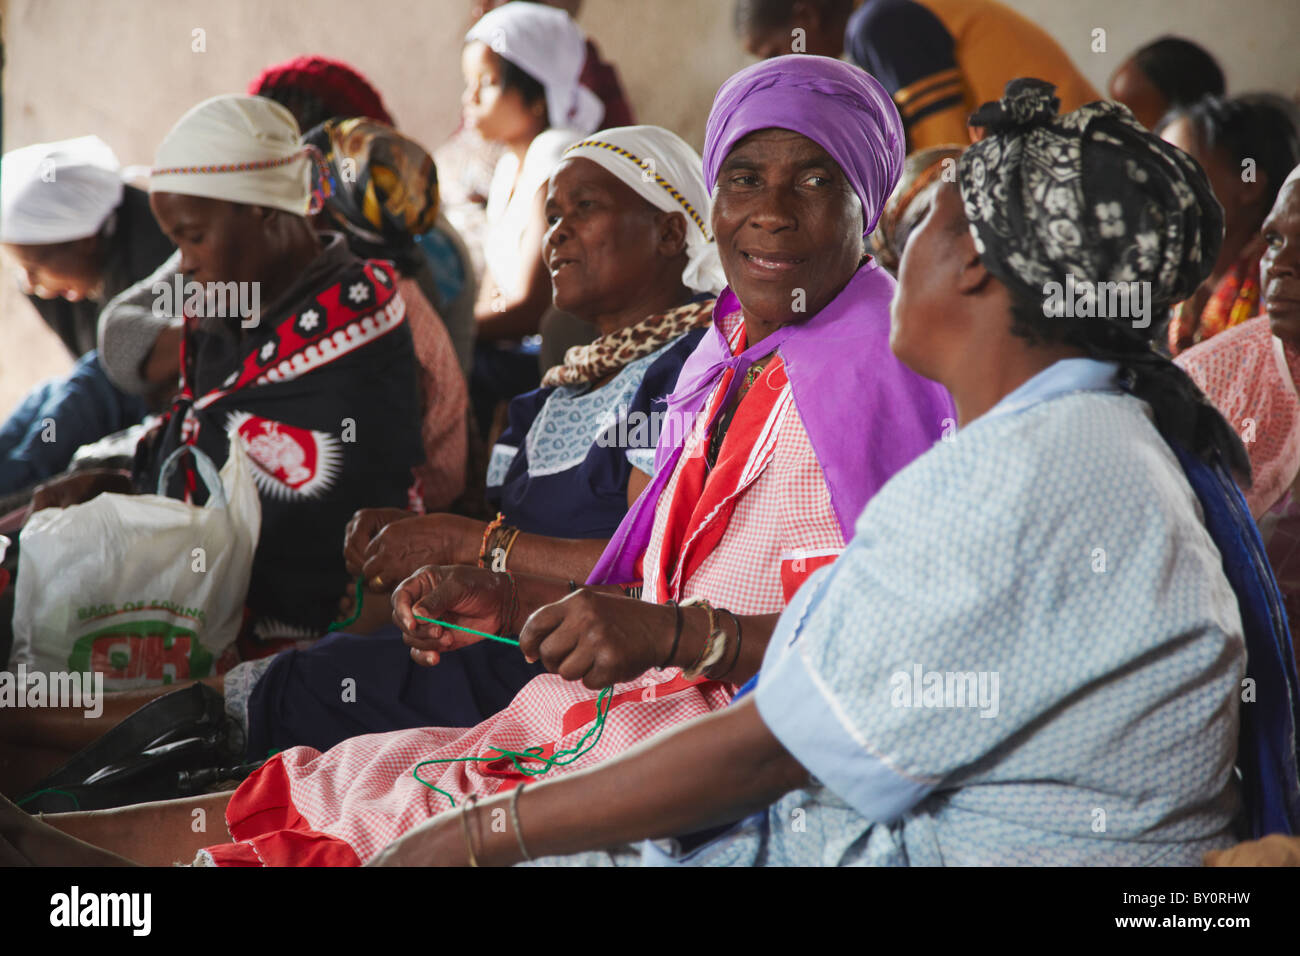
505,558
514,819
464,825
715,645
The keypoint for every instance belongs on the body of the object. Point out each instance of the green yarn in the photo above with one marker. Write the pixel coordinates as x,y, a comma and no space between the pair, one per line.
560,758
469,630
356,613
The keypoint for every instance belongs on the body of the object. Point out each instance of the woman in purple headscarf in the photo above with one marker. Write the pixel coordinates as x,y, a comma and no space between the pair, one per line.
786,419
789,416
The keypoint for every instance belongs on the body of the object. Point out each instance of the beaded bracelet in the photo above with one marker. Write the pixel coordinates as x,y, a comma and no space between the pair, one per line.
500,543
514,604
493,525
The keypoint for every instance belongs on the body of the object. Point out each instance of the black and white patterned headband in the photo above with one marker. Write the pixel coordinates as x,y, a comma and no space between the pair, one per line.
1090,194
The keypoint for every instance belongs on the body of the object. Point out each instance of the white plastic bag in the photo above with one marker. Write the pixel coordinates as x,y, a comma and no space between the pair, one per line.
144,589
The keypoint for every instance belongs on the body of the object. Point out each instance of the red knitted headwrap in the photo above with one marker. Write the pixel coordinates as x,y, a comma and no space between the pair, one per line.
338,89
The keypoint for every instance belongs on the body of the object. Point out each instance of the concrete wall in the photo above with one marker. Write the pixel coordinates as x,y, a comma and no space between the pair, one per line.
126,69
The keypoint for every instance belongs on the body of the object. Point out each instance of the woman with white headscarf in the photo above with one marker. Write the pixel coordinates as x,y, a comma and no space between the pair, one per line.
631,250
632,254
521,64
762,490
233,183
647,295
79,235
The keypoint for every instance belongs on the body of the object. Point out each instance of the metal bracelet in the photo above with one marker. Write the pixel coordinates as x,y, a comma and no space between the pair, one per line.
514,819
464,825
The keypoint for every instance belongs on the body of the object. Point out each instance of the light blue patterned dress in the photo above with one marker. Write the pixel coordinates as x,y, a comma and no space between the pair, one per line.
1029,654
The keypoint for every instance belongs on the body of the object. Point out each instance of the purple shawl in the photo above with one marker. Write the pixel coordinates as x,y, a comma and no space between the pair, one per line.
866,414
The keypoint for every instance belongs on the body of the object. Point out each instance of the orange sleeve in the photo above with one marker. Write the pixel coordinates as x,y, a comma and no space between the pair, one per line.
941,128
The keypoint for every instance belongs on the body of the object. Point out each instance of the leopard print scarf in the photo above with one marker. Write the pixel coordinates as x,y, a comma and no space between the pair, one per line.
609,353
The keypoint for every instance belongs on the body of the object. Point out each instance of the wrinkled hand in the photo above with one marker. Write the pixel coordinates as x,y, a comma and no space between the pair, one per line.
403,546
79,487
362,529
598,639
1272,850
470,597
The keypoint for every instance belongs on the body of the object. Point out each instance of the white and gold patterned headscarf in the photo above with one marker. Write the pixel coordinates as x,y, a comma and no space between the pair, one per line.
662,168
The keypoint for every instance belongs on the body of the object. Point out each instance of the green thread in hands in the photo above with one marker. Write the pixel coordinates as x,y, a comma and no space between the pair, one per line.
468,630
560,758
356,613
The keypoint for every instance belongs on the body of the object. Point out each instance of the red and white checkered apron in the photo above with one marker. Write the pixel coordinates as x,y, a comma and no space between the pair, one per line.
768,518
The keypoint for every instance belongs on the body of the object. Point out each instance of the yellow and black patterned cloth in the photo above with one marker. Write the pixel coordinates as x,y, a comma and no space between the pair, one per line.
379,187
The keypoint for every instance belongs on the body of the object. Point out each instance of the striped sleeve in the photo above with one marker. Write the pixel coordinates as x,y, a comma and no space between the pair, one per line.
909,50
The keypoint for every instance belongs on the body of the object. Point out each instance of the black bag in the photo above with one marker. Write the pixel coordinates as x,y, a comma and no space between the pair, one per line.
174,746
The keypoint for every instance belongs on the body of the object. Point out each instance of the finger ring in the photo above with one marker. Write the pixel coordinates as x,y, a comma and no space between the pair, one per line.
376,583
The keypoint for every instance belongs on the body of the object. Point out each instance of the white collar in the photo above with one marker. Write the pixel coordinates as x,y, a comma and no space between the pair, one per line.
1066,375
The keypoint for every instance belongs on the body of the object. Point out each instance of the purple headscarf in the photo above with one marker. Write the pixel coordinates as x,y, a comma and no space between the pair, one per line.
866,414
836,105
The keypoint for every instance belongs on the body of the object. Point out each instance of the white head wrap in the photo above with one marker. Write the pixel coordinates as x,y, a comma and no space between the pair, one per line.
547,45
238,148
58,192
662,168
